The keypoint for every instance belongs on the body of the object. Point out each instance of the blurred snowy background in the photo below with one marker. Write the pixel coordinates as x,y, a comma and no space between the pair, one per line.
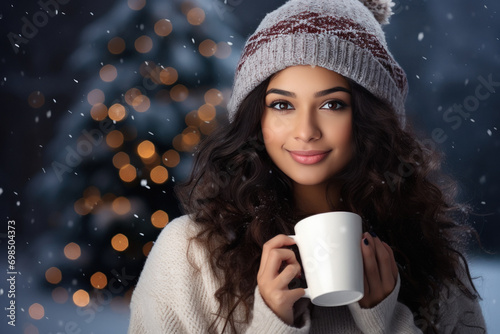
103,101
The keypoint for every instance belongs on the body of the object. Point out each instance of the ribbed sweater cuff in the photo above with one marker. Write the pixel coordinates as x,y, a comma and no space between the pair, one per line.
264,320
377,319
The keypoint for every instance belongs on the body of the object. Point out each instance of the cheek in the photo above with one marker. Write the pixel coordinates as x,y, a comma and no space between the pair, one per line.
343,139
343,134
267,134
273,129
346,136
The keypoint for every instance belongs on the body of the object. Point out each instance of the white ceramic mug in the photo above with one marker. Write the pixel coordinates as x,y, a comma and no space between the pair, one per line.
330,250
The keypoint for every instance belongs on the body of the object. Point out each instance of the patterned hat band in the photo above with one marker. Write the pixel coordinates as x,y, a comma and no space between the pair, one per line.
346,45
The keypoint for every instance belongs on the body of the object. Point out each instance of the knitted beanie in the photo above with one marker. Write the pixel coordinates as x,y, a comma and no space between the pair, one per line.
344,36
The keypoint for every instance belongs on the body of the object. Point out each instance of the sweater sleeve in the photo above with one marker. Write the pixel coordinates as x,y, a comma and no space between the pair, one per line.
455,313
458,313
389,316
264,320
173,294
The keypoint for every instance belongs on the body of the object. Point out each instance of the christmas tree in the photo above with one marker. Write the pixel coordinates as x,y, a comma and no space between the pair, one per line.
160,75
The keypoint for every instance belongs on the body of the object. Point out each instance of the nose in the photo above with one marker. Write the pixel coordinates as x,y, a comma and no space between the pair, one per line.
306,126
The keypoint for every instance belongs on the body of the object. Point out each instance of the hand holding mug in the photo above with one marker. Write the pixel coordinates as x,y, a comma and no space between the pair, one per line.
338,271
278,267
380,270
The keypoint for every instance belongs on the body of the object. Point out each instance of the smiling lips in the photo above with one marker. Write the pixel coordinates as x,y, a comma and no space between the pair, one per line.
308,157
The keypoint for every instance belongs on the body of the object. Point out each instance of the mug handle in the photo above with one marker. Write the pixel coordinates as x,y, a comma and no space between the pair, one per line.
306,295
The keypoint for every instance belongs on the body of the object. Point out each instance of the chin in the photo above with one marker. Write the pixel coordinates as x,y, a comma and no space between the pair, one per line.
309,181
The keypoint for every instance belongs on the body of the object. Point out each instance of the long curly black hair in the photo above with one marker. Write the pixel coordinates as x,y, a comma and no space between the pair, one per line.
241,200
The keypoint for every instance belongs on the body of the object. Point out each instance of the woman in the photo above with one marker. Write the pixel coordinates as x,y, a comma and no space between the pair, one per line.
317,124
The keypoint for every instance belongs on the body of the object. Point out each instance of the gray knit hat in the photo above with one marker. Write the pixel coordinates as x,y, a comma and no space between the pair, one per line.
344,36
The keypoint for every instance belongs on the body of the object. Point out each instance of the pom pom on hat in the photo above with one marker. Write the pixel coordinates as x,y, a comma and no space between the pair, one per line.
381,9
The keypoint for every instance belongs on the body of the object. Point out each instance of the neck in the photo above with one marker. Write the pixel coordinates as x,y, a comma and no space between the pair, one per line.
311,200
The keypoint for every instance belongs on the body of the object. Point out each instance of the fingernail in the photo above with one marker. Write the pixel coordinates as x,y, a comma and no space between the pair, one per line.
373,234
365,241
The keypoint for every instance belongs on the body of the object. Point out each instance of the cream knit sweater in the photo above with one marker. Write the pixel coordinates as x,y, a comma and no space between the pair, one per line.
172,296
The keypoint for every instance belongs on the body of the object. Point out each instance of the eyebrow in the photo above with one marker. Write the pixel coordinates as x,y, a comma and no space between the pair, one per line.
318,94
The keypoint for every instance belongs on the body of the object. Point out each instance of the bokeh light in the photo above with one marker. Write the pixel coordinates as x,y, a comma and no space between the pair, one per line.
131,94
36,99
141,103
168,76
99,112
163,27
99,280
171,158
121,205
72,251
108,73
36,311
119,242
143,44
223,50
190,136
177,143
53,275
213,96
128,173
31,329
81,298
146,249
159,219
154,75
187,140
136,4
121,159
206,112
190,139
116,45
115,139
152,161
117,112
207,48
95,96
92,197
60,295
179,93
208,127
192,119
82,207
146,149
148,69
159,174
196,16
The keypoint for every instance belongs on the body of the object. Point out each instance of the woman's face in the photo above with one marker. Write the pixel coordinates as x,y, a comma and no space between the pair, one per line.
307,123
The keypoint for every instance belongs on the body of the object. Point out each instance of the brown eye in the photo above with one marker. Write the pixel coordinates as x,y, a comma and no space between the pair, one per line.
334,105
280,105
